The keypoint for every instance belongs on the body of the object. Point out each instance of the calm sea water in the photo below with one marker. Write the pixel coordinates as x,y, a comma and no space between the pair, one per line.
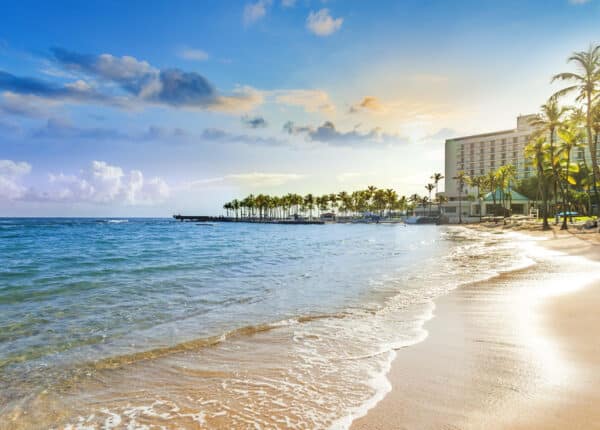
149,322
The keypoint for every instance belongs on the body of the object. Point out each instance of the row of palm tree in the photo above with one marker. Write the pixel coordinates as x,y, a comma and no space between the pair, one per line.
370,201
373,200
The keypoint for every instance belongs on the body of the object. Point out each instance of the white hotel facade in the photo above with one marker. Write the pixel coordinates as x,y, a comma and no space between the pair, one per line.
480,154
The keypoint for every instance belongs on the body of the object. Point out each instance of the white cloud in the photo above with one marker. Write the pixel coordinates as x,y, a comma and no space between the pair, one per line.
579,1
123,68
193,54
310,100
255,11
288,3
10,174
322,24
102,183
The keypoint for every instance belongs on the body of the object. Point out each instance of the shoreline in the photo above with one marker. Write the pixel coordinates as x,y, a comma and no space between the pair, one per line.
502,354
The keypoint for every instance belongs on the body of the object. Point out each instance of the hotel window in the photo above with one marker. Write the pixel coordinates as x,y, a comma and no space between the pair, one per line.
515,139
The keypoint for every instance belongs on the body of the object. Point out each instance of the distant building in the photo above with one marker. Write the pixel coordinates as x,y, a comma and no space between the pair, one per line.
328,216
479,154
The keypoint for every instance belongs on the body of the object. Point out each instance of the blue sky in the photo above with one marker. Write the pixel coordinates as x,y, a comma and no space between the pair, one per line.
150,108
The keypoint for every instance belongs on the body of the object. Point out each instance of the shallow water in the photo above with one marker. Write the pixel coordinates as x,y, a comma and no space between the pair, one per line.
148,322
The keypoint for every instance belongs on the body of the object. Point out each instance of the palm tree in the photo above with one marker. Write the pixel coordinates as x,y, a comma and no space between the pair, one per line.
571,138
440,200
236,207
346,202
536,152
505,176
333,199
309,202
436,177
228,206
478,182
429,188
586,85
391,198
548,121
596,129
402,203
492,183
414,201
461,177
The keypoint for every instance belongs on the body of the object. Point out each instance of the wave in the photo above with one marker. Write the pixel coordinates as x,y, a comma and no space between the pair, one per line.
206,342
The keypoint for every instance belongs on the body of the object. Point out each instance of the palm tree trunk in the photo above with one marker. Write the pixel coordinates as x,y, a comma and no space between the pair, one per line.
565,193
554,174
593,145
459,205
544,192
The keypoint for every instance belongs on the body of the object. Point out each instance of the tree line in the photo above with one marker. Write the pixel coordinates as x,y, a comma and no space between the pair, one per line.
383,202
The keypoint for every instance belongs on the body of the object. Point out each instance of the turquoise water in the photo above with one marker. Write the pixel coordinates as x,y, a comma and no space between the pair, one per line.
79,291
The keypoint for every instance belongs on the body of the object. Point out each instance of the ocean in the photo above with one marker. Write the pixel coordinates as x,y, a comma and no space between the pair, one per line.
152,323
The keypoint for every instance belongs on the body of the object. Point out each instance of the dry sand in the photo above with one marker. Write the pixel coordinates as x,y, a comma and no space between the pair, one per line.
501,355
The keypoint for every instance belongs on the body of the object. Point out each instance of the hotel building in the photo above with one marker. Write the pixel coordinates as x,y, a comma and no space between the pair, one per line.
477,155
480,154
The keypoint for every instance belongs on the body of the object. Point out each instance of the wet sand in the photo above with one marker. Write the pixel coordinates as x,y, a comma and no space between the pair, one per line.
518,351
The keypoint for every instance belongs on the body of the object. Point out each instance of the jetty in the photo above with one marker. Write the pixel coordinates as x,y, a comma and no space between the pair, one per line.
203,218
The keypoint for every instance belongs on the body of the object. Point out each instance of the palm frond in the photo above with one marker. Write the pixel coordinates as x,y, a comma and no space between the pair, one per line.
567,76
566,91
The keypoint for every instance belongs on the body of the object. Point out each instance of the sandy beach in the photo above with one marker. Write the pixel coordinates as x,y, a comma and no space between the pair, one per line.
521,350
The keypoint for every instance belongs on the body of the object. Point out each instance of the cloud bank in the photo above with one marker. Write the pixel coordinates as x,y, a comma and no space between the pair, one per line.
128,82
100,183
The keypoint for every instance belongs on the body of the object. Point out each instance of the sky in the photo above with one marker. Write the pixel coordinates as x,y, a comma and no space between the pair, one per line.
150,108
